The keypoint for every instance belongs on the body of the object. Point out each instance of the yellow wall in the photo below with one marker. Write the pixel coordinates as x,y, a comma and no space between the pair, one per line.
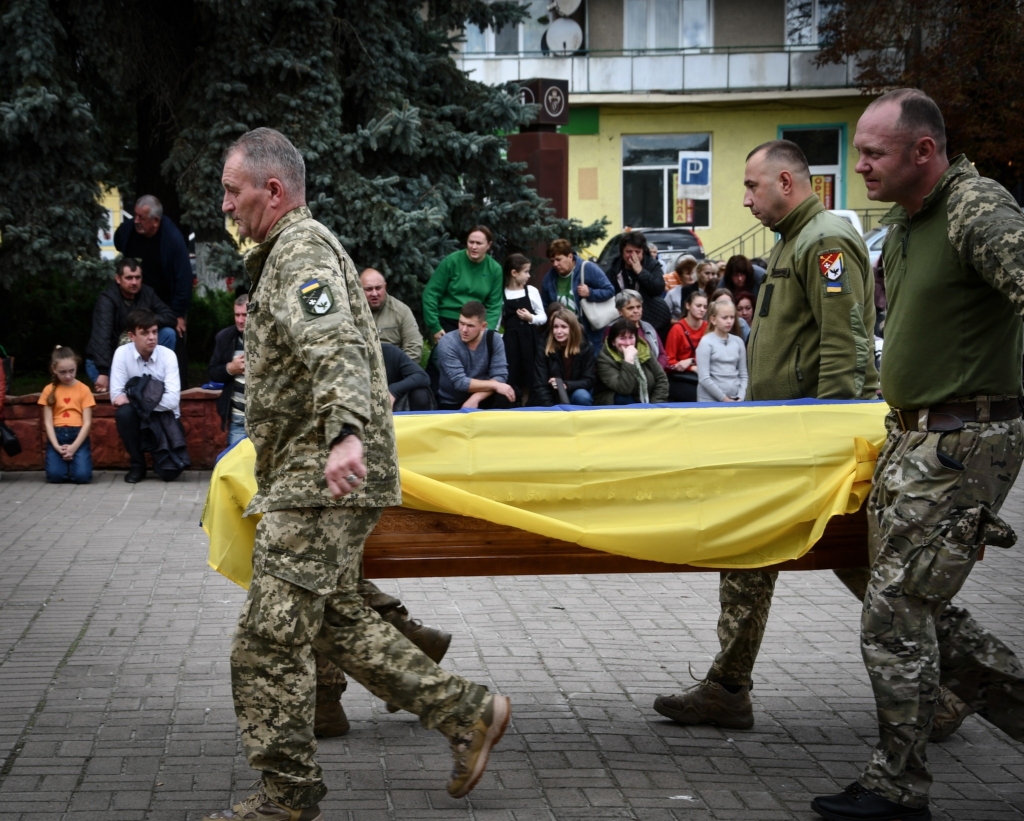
735,129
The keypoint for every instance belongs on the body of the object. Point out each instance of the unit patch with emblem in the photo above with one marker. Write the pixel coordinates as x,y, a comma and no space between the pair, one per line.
832,266
316,298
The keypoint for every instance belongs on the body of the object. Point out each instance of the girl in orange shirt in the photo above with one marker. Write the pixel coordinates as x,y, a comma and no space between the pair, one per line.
67,414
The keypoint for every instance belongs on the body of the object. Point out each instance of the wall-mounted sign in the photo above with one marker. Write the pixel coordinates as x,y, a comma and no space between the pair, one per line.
694,175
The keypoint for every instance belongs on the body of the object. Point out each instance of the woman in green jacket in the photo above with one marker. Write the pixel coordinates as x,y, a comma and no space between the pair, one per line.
627,372
462,277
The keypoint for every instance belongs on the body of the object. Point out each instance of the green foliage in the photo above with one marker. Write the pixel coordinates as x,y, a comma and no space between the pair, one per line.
210,313
49,158
45,311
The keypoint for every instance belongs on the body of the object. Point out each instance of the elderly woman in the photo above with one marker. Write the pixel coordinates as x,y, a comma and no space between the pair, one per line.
464,276
631,305
627,372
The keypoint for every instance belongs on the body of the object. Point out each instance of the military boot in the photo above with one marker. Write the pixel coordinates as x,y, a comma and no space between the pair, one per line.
471,749
709,703
259,807
433,642
950,713
329,720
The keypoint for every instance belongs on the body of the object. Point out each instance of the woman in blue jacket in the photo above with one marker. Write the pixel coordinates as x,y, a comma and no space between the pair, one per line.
572,280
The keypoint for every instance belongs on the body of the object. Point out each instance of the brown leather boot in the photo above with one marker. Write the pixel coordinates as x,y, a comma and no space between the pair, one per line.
709,703
330,720
433,642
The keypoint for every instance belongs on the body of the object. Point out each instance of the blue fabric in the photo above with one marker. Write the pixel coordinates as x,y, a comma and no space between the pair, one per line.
236,431
620,399
92,370
168,337
78,470
581,397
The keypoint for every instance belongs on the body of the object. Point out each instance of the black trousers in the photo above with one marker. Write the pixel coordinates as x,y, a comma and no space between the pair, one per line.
420,400
130,431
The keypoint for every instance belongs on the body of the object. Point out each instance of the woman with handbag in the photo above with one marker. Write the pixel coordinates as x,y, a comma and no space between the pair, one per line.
681,349
582,288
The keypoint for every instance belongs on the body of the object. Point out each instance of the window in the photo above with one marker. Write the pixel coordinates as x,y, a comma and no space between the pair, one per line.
511,39
650,167
823,147
666,24
804,18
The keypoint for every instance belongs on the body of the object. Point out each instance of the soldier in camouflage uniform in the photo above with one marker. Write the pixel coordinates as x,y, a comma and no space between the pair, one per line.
954,267
316,402
811,337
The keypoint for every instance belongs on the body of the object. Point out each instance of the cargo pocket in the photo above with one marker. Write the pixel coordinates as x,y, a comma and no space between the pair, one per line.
286,600
940,568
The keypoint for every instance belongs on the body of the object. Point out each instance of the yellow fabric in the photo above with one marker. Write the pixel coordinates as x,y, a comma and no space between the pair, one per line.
721,486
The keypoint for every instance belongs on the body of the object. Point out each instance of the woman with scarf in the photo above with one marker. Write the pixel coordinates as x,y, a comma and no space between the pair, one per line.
627,372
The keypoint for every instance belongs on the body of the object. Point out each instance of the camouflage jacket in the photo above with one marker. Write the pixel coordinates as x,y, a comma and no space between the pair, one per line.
954,278
312,364
813,331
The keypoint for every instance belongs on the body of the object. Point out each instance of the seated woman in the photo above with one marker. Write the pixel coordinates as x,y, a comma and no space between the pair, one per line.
566,364
705,279
681,349
745,308
683,273
627,372
739,276
631,306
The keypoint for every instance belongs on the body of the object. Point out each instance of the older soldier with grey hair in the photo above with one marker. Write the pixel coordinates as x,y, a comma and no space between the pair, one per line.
318,414
954,267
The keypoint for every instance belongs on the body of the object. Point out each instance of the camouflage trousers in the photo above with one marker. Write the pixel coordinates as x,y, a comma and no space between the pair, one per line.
933,504
330,680
746,599
304,600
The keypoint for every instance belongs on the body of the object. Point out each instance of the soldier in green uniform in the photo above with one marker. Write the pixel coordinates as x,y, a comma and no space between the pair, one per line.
319,417
812,337
954,269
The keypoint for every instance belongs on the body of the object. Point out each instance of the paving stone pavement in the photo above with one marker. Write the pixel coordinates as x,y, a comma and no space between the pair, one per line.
116,705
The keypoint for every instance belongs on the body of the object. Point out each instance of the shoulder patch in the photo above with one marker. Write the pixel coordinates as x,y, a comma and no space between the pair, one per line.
832,266
316,298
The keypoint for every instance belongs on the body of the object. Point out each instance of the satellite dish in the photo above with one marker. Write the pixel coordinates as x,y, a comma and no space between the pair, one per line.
564,36
567,7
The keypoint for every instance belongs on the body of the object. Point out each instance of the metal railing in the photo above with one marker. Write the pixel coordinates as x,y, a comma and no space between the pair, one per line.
757,241
690,70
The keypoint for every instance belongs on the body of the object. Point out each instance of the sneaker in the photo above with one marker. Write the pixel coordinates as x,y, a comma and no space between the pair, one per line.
857,803
330,720
433,642
471,750
950,713
709,703
258,807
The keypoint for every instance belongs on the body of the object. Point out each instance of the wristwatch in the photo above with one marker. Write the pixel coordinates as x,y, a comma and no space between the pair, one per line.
346,431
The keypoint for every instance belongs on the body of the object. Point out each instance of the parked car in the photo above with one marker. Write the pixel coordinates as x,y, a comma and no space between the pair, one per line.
851,217
671,243
875,239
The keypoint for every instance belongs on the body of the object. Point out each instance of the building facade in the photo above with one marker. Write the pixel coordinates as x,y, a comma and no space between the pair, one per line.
663,88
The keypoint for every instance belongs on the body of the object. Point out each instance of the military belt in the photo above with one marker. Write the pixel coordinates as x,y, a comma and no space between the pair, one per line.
953,416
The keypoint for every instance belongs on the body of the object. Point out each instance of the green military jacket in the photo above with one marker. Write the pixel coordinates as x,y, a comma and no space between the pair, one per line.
954,281
312,364
813,331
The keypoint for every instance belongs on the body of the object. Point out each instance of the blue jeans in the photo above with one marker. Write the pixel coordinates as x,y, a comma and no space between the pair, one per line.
168,337
580,396
59,470
620,399
236,431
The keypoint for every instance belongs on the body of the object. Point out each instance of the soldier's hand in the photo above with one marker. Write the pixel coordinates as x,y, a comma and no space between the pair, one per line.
344,462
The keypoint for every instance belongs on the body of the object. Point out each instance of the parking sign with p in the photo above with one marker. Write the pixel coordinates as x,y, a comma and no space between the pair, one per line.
694,175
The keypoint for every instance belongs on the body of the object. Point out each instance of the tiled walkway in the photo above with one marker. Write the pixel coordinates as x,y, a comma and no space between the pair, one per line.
114,684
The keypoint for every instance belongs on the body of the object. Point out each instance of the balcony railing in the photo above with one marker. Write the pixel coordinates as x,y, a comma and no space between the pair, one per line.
694,70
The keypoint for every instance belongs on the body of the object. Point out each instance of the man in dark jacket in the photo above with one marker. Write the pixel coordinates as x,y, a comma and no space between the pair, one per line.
125,294
637,269
227,365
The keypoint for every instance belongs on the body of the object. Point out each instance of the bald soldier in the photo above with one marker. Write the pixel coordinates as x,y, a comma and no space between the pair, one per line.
394,319
954,270
318,416
811,337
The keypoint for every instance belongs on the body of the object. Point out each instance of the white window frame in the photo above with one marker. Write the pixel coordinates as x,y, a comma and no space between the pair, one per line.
812,28
651,34
490,40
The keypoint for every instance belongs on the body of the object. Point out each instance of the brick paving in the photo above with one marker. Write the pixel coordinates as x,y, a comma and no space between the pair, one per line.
114,684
